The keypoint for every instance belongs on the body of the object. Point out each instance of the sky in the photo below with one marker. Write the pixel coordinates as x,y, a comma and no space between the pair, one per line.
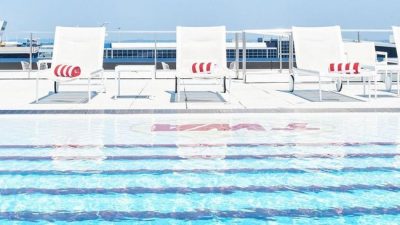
44,15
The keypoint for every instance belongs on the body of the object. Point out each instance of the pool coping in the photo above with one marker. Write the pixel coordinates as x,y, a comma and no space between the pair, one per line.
199,111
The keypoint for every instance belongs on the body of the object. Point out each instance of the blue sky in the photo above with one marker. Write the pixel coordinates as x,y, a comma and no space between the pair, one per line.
44,15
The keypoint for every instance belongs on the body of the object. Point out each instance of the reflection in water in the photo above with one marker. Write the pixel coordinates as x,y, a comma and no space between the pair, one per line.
76,158
186,151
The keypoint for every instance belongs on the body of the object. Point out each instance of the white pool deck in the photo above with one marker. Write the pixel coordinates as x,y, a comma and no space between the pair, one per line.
154,95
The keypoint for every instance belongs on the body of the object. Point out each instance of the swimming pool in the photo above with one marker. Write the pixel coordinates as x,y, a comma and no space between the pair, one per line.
200,169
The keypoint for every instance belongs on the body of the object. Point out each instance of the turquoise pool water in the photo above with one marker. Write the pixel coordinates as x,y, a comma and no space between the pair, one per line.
252,169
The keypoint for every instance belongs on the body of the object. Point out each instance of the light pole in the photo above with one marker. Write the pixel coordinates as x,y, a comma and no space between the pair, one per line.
119,34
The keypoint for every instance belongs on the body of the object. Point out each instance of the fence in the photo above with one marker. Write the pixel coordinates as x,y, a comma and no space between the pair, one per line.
153,47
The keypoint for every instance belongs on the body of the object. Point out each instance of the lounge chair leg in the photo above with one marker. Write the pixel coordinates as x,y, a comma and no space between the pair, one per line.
176,84
37,89
398,83
55,87
364,90
224,84
339,85
89,95
320,90
369,88
376,87
388,81
291,83
103,83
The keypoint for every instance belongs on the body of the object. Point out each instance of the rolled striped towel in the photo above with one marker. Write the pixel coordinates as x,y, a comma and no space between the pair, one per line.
204,68
348,68
67,71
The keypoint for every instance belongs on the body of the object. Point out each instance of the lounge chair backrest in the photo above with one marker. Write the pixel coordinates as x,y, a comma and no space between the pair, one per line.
165,66
396,36
42,65
317,47
363,53
200,45
79,46
25,65
232,65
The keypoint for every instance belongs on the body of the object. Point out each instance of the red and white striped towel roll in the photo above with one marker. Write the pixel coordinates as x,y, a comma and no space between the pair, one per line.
204,68
67,71
348,68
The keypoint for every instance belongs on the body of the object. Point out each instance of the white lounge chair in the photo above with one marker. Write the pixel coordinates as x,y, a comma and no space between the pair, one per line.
165,66
25,66
201,54
363,53
392,67
43,64
166,71
81,48
316,49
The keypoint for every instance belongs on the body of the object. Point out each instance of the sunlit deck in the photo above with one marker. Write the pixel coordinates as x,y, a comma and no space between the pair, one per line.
157,95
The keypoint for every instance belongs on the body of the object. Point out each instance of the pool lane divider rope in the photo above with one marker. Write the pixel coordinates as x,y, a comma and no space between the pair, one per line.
226,190
204,215
200,171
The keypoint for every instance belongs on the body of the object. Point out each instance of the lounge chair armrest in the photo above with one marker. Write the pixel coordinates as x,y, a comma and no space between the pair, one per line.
97,71
367,67
43,61
229,72
306,72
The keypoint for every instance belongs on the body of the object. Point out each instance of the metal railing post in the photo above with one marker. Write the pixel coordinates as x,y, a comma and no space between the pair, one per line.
155,56
30,55
237,55
280,53
244,61
291,53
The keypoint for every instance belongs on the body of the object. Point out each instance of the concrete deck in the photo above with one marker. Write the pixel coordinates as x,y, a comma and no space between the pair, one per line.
149,95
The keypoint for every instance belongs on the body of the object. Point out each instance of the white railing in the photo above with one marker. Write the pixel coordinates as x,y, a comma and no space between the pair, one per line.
239,37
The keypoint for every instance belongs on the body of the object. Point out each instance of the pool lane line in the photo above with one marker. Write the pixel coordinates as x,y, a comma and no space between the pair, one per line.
197,214
200,145
226,190
200,157
200,171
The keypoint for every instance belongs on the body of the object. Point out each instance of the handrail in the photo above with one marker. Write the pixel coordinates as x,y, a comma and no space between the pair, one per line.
239,40
272,30
368,30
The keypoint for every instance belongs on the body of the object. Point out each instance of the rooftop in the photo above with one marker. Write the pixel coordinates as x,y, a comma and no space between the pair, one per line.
139,95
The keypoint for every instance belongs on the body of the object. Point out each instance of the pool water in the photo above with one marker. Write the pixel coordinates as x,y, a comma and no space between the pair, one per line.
200,169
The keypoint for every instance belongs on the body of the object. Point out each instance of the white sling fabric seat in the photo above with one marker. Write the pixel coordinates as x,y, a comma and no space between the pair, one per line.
80,48
363,53
318,47
198,47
